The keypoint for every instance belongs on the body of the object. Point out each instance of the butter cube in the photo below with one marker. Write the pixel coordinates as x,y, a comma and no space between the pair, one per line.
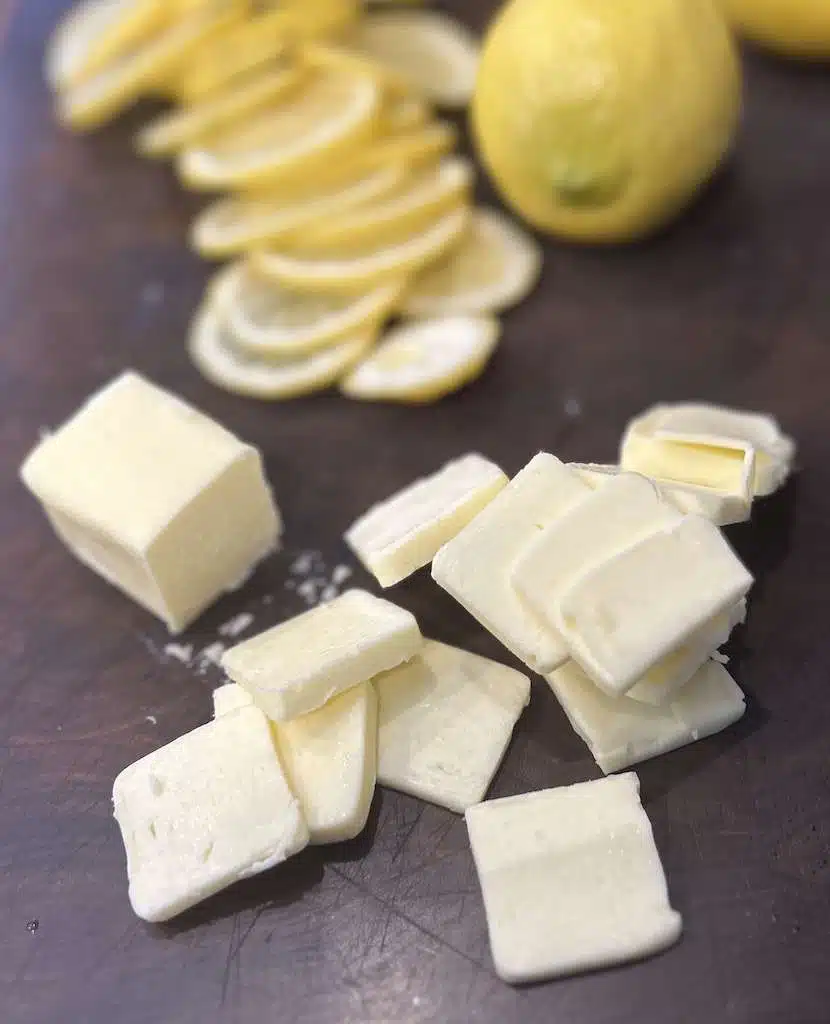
156,497
445,721
620,618
620,731
475,567
329,757
301,664
209,809
571,879
403,533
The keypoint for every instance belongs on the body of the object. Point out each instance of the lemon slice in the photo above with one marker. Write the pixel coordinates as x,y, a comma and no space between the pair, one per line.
344,268
255,42
494,266
238,223
435,53
332,114
95,32
269,320
407,211
96,99
404,114
212,350
327,54
424,360
173,131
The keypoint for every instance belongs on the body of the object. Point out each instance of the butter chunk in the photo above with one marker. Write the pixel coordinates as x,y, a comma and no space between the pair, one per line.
209,809
609,520
445,721
621,732
716,426
620,618
303,663
721,507
229,698
403,534
475,567
571,880
329,757
156,497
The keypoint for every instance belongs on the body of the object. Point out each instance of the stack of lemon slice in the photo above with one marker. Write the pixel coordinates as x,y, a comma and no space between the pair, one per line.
343,207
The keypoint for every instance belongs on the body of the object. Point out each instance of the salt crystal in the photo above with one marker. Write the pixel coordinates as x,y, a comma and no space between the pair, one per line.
238,624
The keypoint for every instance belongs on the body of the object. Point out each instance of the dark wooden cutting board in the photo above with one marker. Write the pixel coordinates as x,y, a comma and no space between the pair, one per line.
732,305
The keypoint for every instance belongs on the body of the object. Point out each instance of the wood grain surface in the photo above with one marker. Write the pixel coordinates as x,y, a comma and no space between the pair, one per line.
732,305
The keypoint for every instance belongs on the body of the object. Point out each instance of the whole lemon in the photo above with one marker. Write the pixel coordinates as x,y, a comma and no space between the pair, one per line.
797,28
599,119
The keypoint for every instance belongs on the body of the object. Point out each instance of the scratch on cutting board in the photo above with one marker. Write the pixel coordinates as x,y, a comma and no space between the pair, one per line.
406,918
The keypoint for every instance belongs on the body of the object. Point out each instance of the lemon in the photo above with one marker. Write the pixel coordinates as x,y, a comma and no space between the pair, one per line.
241,222
271,321
494,266
424,360
216,357
599,120
797,28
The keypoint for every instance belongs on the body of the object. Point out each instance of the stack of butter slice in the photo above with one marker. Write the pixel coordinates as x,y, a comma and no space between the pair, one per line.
342,204
319,709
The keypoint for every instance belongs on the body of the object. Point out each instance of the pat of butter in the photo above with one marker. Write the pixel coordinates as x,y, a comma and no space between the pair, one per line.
722,508
726,466
301,664
207,810
403,534
720,426
156,497
571,880
475,567
445,721
620,731
620,618
662,681
626,510
329,757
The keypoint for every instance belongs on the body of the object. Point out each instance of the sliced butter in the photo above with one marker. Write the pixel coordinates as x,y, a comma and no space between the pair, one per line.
156,497
718,427
571,880
620,618
209,809
607,521
329,757
303,663
402,534
662,681
475,566
445,721
722,508
621,732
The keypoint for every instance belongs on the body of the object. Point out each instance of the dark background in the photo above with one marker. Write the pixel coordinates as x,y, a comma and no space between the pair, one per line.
732,305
